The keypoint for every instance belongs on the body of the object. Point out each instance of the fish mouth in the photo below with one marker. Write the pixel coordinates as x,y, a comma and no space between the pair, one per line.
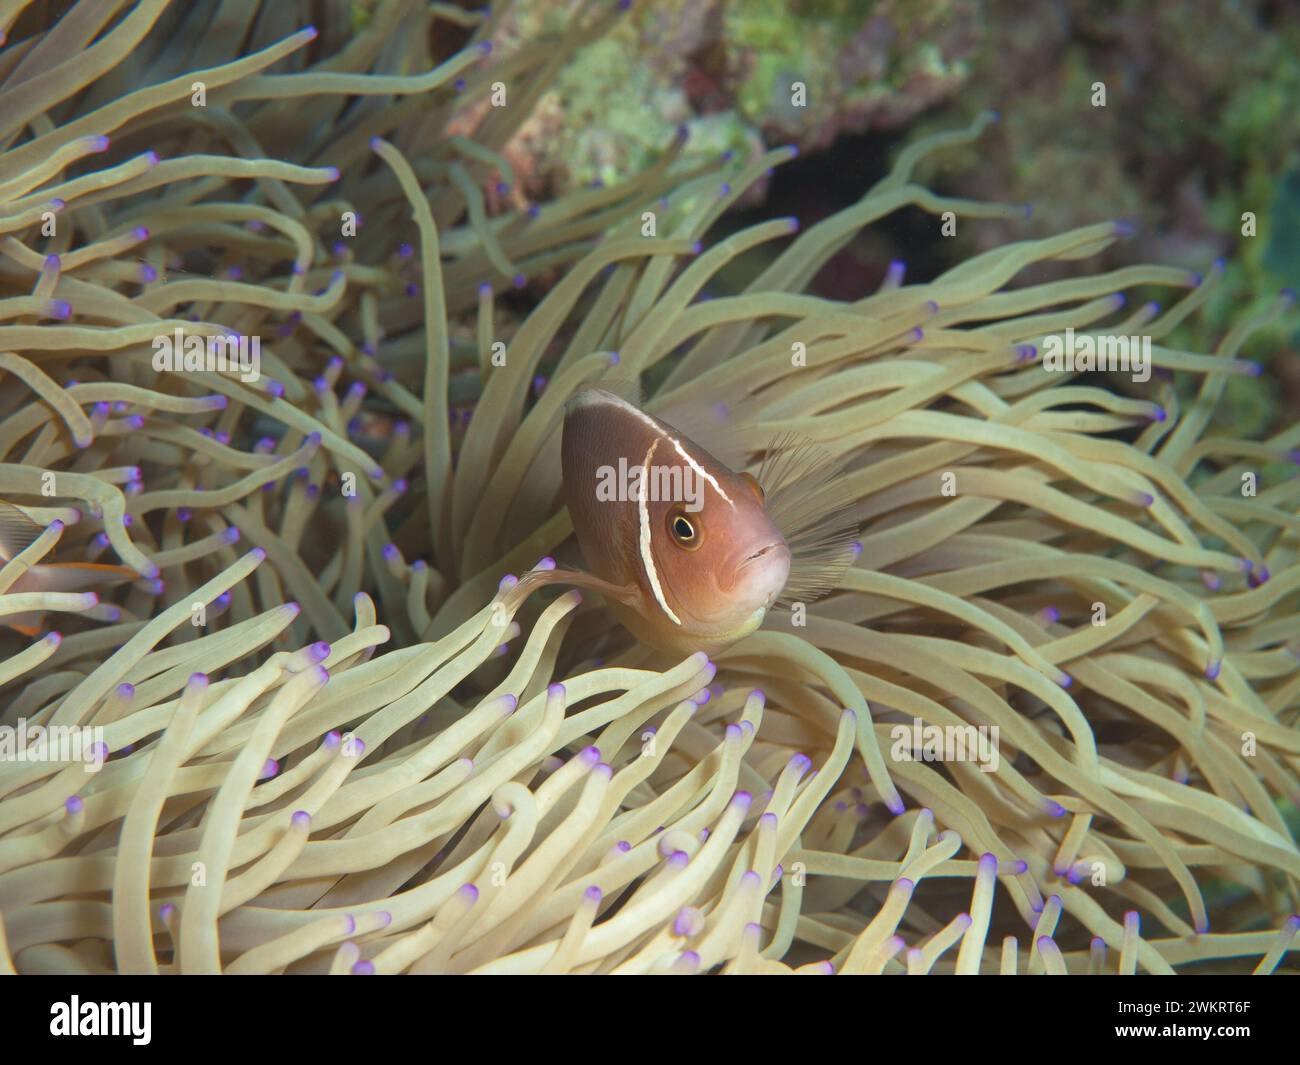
763,552
769,565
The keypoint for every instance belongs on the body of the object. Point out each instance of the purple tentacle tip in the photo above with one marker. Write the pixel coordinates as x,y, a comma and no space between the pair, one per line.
74,805
1213,670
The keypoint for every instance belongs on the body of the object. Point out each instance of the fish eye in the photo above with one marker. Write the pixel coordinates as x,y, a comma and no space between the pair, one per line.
684,531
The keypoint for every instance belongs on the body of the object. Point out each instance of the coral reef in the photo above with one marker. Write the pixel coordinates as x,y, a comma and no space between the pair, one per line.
731,75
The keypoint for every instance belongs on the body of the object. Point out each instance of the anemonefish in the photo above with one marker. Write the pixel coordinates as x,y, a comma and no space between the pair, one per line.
17,531
689,554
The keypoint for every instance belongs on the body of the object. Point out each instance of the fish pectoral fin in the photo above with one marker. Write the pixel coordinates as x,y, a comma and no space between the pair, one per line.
538,578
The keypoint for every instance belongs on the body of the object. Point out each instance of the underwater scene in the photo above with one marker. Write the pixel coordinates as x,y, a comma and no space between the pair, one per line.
656,487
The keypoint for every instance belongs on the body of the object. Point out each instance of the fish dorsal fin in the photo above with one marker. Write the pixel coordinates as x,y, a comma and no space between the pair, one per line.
17,531
808,500
626,387
709,421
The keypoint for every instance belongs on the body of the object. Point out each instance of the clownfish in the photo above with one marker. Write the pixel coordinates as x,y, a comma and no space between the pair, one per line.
689,554
17,531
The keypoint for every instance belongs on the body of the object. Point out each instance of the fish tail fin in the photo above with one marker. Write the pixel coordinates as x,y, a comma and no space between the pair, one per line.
73,576
17,530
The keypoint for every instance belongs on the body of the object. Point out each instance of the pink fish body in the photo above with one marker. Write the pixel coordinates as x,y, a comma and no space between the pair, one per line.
692,558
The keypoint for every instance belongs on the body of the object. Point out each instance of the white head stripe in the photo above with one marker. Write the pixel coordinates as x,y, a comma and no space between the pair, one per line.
658,427
647,559
702,472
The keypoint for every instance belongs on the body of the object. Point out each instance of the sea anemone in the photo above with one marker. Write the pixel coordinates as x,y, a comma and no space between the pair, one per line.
1079,569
